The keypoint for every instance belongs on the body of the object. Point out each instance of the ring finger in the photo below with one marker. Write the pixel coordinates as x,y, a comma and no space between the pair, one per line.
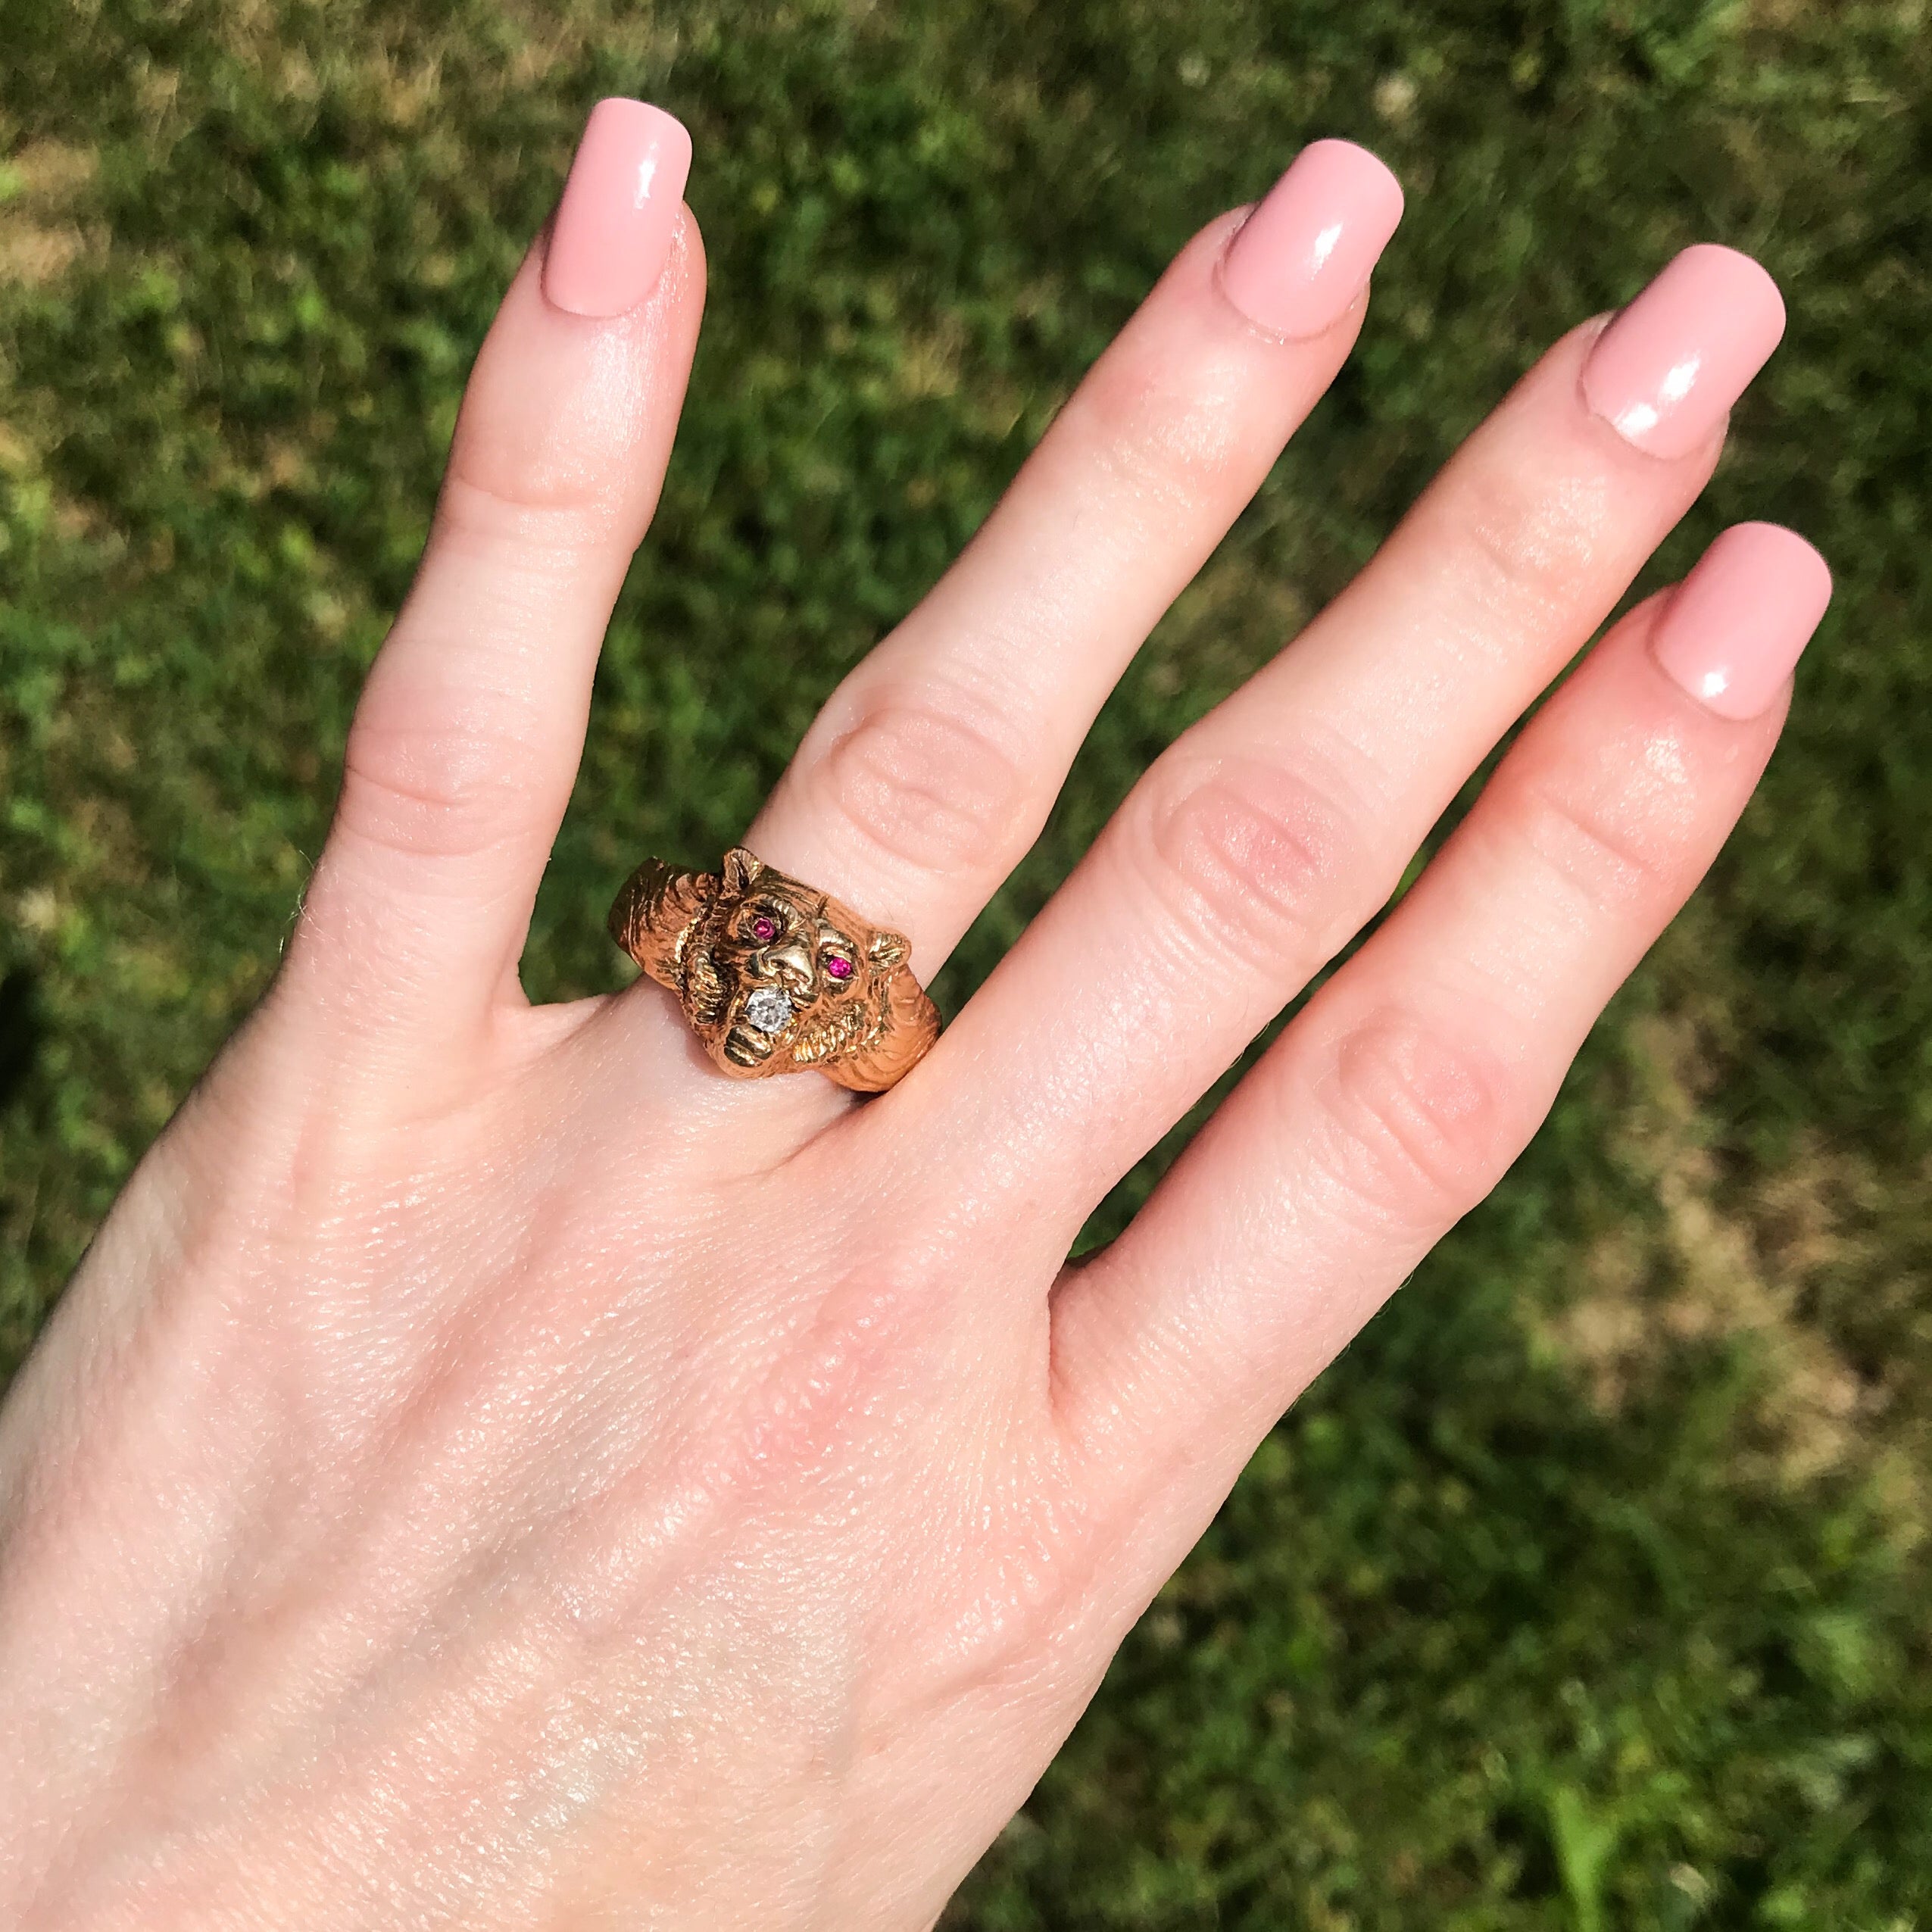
1408,1085
1272,831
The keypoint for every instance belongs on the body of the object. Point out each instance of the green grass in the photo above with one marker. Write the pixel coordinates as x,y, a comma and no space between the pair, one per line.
1589,1589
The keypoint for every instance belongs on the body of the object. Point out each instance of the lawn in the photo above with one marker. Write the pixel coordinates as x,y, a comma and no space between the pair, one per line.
1590,1588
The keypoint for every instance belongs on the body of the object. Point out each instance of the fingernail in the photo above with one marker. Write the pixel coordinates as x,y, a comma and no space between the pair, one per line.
1666,371
612,237
1740,620
1296,264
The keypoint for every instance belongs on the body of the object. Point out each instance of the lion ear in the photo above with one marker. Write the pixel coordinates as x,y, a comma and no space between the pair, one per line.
888,949
742,867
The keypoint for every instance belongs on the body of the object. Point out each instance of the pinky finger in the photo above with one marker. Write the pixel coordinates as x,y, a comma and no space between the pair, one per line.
1397,1099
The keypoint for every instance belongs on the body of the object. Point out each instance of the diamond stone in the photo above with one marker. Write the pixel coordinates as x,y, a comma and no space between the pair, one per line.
768,1009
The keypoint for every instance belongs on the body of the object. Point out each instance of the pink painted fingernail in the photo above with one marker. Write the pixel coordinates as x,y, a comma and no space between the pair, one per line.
1296,264
1737,625
612,237
1666,370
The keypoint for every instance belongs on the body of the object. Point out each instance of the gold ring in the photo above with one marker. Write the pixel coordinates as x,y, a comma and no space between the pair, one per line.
775,977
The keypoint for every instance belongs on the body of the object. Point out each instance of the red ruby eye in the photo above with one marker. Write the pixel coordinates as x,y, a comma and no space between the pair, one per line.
763,929
839,968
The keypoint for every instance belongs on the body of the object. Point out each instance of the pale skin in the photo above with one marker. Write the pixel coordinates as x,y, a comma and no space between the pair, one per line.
491,1471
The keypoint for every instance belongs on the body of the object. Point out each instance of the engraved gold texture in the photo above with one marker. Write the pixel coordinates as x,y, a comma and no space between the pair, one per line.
775,977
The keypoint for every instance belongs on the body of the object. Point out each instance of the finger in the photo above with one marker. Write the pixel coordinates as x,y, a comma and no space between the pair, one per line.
932,769
1267,836
466,740
1396,1101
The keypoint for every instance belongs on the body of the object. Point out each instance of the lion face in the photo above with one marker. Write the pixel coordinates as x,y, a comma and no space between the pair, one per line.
779,973
775,976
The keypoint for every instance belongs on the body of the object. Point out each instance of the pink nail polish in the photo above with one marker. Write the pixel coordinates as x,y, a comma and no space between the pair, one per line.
1296,264
1666,370
612,237
1738,623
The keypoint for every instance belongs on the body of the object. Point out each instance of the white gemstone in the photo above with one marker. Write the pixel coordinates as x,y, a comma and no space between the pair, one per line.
768,1009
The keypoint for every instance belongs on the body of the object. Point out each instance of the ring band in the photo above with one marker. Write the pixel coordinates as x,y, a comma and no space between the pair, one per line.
775,976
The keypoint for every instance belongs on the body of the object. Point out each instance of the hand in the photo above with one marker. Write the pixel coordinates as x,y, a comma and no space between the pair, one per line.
492,1471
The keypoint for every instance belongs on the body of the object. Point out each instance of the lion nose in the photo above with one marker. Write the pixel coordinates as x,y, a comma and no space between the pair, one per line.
793,964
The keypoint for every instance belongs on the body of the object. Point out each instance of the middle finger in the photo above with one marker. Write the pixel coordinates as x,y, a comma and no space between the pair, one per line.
932,769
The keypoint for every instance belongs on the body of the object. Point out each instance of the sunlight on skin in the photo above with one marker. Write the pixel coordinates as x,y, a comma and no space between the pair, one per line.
557,1478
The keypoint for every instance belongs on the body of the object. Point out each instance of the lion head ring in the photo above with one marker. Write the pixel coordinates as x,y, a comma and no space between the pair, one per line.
775,977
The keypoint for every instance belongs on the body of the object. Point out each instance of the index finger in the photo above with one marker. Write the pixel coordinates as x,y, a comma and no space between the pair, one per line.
466,738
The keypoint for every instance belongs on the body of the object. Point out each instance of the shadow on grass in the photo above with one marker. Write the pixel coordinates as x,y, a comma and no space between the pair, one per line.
21,1029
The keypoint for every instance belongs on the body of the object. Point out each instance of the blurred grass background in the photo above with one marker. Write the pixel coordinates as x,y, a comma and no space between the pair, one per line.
1590,1589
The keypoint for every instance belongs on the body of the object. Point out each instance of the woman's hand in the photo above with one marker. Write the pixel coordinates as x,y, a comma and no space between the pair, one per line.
492,1471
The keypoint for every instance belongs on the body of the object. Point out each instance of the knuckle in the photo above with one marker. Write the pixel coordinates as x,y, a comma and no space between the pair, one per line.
447,787
563,441
1530,533
549,522
1262,862
1414,1123
1595,843
927,778
1163,438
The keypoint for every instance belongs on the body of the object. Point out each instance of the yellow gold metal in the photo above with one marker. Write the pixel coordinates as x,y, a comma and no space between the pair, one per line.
775,977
